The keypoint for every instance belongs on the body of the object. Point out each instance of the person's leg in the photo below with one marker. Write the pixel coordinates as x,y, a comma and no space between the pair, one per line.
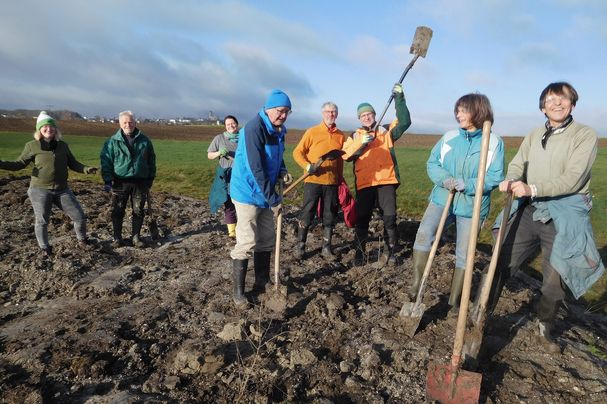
552,289
139,196
464,230
330,207
41,200
67,202
386,197
365,202
312,193
230,217
120,197
265,241
246,228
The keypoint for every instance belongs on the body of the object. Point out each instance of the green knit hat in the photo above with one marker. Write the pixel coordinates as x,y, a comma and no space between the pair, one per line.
44,119
364,107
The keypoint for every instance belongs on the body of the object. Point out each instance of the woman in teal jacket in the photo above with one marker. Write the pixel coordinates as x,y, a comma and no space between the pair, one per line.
453,167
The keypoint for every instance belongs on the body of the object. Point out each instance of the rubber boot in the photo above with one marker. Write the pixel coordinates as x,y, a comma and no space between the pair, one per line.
546,313
456,288
420,258
391,237
261,260
231,230
300,248
117,232
326,243
239,271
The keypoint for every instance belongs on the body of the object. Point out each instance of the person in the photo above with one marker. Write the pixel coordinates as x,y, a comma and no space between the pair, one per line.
550,174
376,175
322,182
223,147
453,167
257,169
48,185
128,168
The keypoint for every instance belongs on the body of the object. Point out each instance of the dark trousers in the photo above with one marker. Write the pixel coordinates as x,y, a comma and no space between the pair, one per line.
312,194
122,191
229,211
383,196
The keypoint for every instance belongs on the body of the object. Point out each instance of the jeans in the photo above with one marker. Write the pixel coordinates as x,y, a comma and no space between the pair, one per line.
121,192
42,201
426,234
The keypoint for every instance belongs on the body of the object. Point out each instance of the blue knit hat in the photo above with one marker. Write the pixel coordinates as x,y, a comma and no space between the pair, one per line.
277,98
364,107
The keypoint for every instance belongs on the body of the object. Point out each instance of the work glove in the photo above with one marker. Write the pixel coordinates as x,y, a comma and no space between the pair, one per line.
107,187
366,138
287,179
223,152
449,184
397,89
459,185
310,168
90,170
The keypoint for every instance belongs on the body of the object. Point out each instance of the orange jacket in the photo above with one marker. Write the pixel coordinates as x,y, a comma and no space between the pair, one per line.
317,141
376,163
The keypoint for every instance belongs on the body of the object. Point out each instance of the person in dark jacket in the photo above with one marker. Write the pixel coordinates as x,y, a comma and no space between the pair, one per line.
48,186
258,167
223,147
128,167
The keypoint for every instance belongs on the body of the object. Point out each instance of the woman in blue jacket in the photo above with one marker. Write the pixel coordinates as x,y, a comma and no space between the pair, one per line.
453,167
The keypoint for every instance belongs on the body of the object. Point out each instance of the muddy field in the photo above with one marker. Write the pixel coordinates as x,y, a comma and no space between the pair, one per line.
99,325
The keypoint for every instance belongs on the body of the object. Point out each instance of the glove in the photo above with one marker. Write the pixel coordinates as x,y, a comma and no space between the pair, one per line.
223,152
459,185
107,187
449,183
90,170
397,89
366,138
310,168
287,178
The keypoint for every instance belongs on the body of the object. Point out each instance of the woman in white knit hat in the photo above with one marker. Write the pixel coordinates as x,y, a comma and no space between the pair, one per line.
52,158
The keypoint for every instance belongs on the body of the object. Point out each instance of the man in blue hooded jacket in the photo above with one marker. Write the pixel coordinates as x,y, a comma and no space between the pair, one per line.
258,166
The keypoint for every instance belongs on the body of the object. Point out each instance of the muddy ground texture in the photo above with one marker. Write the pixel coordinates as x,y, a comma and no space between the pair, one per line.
95,324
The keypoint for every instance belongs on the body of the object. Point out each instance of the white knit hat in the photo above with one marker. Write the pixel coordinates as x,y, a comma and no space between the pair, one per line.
44,119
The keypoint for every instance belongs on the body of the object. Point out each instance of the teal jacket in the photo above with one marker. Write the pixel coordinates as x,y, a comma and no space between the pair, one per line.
120,162
457,155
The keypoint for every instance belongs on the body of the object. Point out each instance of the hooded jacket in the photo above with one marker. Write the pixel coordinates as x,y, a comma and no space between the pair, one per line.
120,162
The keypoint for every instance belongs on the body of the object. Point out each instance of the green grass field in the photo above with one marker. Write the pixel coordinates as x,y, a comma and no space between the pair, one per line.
183,168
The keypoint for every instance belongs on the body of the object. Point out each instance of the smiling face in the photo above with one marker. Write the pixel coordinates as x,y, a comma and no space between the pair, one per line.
367,119
48,132
278,115
329,115
231,126
127,124
557,107
464,118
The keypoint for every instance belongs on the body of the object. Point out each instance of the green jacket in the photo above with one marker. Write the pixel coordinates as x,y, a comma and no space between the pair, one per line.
120,162
50,166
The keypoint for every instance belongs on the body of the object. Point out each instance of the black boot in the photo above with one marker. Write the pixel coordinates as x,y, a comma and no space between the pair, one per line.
546,312
117,232
136,230
261,260
300,248
239,271
326,243
456,288
390,242
420,258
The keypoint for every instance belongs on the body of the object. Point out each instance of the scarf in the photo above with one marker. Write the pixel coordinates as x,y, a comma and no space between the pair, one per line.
232,137
550,130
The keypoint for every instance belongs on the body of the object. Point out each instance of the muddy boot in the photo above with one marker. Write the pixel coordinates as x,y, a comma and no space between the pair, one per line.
117,232
546,314
300,247
239,271
326,243
138,242
261,260
231,230
456,289
420,258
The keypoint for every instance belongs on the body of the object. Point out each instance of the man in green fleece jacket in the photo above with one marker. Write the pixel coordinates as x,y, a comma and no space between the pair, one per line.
550,174
128,168
48,185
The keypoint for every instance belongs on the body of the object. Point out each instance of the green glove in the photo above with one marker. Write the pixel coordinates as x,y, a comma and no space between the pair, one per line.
397,89
223,152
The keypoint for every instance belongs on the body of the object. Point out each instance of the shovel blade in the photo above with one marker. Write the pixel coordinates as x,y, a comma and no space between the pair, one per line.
421,41
411,316
447,384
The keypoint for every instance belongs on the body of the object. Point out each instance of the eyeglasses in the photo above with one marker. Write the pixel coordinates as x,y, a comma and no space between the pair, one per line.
330,112
285,111
552,99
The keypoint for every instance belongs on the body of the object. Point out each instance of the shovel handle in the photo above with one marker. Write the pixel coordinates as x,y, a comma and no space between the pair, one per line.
278,237
295,183
476,213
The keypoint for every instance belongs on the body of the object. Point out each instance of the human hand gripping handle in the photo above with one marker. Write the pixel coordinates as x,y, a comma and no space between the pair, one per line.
366,138
397,90
90,170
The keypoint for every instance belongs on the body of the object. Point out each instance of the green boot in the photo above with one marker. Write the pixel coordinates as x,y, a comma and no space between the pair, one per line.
456,287
420,258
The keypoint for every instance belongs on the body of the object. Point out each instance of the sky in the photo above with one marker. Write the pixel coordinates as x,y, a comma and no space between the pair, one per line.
184,58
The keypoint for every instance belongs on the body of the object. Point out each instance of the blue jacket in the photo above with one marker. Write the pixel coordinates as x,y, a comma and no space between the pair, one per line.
258,163
457,155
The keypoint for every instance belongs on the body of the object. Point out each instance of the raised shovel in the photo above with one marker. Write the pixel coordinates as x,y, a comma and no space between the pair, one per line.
475,339
448,383
412,312
330,155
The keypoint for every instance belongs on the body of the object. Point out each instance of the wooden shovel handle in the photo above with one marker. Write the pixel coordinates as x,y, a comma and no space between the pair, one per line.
278,237
476,213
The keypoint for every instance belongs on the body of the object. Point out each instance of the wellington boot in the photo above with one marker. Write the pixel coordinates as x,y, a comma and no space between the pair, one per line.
300,248
231,230
547,310
261,260
326,243
239,272
420,258
456,287
138,242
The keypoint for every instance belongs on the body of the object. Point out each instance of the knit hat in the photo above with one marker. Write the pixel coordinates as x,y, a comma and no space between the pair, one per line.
364,107
44,119
277,98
